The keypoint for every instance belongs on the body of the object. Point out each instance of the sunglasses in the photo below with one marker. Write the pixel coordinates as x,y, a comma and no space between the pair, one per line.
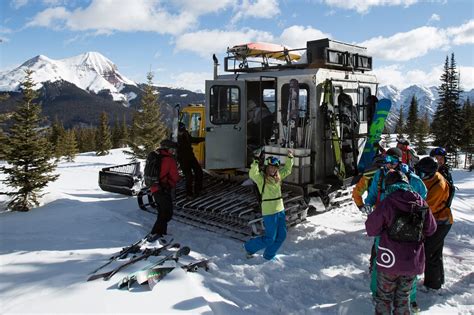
271,160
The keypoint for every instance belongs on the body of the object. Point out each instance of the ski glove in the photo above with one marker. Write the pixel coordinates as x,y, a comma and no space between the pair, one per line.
367,209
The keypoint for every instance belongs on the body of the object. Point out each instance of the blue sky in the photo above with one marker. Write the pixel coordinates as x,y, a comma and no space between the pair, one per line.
409,39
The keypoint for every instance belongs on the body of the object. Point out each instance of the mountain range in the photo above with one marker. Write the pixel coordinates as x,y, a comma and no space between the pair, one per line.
90,83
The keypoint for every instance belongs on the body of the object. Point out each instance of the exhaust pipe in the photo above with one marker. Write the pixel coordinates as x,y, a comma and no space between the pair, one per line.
216,65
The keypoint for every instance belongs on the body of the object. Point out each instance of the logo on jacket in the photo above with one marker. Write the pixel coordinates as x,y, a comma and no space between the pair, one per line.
387,258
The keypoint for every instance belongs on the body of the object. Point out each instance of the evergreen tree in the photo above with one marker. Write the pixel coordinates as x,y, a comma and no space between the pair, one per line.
421,135
148,127
412,119
104,137
467,139
400,126
3,137
29,168
86,139
57,133
124,131
445,126
67,144
116,134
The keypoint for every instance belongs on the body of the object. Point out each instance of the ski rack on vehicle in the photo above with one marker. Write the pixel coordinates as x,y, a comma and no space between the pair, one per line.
322,53
228,207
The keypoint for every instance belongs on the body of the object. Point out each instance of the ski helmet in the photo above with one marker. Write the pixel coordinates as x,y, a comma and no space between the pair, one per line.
426,167
395,152
394,177
181,126
271,160
438,151
403,141
167,144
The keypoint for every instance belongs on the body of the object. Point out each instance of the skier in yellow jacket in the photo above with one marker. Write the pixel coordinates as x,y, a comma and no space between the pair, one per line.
273,211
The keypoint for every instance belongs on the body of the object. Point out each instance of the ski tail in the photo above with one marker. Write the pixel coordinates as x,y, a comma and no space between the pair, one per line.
194,266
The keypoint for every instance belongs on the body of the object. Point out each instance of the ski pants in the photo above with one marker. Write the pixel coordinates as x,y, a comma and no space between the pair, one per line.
275,235
373,272
393,290
434,269
193,175
164,203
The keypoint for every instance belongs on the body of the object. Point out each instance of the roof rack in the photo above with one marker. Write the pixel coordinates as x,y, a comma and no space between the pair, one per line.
322,53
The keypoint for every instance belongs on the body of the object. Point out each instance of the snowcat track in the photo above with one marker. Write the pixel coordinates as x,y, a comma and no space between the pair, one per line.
229,208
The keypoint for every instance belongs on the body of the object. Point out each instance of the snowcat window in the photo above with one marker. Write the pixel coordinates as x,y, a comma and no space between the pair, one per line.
303,99
224,105
269,98
362,97
195,124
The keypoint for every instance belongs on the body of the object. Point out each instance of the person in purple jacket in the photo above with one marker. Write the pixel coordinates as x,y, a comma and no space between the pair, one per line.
398,262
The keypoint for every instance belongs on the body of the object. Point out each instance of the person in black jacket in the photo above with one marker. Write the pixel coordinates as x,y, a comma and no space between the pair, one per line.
189,165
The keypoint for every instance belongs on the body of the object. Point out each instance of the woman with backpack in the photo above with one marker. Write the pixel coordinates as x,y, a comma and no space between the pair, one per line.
400,252
437,199
273,211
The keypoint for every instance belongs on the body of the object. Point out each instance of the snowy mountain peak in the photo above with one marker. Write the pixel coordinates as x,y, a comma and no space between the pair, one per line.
90,71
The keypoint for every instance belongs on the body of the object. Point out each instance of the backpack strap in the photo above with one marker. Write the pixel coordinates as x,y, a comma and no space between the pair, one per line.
263,189
379,186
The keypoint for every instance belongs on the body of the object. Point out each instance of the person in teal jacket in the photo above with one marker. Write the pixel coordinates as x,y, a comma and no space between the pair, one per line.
273,211
376,193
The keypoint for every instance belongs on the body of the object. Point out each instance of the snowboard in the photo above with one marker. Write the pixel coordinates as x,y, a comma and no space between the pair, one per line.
375,132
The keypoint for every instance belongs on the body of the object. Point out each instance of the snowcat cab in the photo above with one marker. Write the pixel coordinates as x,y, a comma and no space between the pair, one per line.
316,100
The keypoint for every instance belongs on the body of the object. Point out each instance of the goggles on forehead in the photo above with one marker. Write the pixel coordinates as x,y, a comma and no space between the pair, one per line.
271,160
389,159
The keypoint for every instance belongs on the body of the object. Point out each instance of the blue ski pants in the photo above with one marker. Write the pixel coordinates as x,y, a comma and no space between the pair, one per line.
275,235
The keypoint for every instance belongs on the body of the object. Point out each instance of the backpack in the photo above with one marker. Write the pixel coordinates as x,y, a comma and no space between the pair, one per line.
152,168
408,226
449,179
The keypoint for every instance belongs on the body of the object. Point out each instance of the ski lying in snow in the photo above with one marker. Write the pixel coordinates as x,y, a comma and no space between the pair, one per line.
131,249
147,253
152,270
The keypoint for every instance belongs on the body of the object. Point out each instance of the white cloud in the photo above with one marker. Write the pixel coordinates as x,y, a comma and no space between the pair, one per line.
408,45
463,34
203,6
206,42
193,81
363,6
266,9
296,36
466,75
400,77
106,16
434,17
4,39
16,4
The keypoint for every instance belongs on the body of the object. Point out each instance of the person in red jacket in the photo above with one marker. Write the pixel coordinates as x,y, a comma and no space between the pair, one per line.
163,190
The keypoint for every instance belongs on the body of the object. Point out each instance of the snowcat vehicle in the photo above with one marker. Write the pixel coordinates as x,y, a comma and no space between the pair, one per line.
317,100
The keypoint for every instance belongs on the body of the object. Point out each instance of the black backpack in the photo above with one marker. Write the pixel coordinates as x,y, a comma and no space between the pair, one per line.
408,226
152,168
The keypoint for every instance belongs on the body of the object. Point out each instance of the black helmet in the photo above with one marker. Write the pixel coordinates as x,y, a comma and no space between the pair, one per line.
426,167
181,126
394,177
403,141
168,144
438,151
395,152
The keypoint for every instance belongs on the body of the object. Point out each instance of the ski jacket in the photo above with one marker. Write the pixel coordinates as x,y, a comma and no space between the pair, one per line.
272,190
185,151
361,187
409,157
438,196
169,175
375,195
398,258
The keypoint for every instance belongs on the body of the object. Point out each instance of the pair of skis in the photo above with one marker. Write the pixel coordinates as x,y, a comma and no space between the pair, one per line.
147,253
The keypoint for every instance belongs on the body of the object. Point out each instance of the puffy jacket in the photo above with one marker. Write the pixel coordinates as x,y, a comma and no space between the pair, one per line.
399,258
169,175
409,157
272,190
361,187
438,195
372,195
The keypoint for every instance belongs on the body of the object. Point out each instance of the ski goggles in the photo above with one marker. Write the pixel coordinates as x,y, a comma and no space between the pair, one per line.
389,159
438,151
271,160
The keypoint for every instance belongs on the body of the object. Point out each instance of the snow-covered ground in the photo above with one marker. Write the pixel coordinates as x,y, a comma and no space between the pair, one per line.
47,253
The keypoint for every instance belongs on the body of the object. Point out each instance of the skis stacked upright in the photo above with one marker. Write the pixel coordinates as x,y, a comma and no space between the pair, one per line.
327,107
375,132
349,123
292,114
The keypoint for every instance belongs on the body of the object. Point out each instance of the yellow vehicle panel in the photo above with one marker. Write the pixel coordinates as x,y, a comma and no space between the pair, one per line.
193,117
